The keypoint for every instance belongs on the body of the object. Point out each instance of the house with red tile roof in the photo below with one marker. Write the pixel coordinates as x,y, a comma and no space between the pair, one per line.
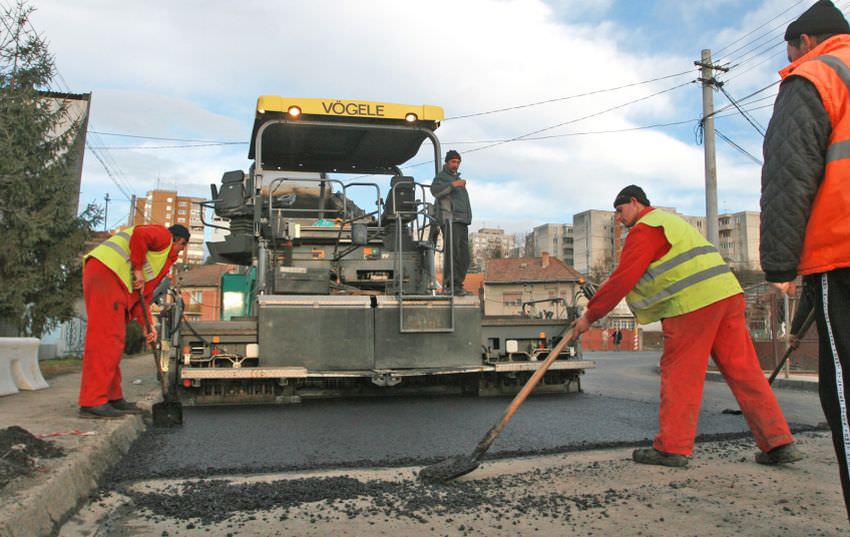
510,282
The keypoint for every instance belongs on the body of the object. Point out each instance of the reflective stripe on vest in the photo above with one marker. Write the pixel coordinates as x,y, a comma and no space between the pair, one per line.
115,254
690,276
826,245
840,149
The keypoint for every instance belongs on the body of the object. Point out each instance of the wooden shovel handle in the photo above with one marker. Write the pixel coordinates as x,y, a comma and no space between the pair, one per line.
484,445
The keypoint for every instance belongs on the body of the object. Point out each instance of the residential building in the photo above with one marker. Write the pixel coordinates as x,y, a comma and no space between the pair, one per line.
166,207
200,287
740,237
597,242
598,239
76,107
557,239
489,243
510,282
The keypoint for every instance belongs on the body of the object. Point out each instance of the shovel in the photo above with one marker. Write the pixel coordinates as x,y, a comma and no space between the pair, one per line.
169,412
810,318
463,464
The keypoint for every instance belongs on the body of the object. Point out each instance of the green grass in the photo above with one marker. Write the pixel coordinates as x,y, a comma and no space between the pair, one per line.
60,366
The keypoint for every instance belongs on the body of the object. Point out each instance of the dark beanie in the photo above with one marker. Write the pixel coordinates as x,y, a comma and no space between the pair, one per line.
178,231
452,154
821,18
631,191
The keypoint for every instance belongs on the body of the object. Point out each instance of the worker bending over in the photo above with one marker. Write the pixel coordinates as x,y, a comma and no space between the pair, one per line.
135,258
669,272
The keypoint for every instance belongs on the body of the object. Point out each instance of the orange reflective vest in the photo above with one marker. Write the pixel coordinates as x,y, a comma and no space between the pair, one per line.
826,245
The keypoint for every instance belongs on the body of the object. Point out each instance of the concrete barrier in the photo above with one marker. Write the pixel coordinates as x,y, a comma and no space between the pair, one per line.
19,369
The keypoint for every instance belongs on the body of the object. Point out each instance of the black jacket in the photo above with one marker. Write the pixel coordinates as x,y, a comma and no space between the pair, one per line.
451,199
794,160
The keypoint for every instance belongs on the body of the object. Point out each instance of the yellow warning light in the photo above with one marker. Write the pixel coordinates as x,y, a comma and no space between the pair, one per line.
581,281
186,349
294,111
216,339
542,335
410,117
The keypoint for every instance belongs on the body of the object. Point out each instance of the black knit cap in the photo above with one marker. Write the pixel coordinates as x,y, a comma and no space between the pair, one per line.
452,154
631,191
179,232
821,18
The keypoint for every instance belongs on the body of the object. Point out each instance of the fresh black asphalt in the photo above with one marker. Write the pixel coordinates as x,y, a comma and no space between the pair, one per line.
619,407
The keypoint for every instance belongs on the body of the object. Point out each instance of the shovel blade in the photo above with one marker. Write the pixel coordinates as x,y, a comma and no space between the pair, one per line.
167,414
448,469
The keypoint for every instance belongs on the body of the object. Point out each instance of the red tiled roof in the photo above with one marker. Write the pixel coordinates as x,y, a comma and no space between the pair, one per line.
529,269
473,282
203,275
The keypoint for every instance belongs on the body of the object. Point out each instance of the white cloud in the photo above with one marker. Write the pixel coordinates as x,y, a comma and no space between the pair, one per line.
193,69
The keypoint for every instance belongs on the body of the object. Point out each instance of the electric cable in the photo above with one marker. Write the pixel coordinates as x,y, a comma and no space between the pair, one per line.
759,27
738,147
163,139
558,99
751,120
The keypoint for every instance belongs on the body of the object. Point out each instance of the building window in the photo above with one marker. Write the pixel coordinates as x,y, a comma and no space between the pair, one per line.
512,299
196,297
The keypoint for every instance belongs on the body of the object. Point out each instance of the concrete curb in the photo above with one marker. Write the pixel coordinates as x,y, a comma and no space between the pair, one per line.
778,382
38,510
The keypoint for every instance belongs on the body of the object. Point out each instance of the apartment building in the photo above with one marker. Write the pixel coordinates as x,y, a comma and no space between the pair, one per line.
740,236
489,243
598,239
166,207
557,239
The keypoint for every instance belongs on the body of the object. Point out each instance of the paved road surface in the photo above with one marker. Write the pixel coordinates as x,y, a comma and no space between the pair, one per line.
619,407
332,486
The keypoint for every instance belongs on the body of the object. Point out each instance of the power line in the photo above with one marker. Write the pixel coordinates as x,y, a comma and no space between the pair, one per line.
150,147
557,99
162,139
108,171
751,120
757,28
595,114
738,147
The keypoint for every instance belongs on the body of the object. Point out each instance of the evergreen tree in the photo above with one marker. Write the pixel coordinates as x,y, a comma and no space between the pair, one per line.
41,236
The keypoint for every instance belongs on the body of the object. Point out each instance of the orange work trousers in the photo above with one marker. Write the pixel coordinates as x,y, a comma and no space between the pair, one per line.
719,330
107,302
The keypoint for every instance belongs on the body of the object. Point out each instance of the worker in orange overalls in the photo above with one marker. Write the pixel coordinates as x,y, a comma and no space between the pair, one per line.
135,258
669,272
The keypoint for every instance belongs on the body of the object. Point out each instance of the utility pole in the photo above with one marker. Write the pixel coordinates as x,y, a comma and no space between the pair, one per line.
708,83
106,211
132,217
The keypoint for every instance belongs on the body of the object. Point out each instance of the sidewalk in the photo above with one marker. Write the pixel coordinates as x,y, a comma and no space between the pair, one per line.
34,505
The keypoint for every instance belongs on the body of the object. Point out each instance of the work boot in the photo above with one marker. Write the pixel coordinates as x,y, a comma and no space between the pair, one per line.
653,456
100,412
461,292
125,407
781,455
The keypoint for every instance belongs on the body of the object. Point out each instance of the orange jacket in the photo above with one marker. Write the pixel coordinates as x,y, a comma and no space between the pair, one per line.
827,241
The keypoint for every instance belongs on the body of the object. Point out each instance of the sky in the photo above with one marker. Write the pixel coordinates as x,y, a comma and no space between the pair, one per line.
163,72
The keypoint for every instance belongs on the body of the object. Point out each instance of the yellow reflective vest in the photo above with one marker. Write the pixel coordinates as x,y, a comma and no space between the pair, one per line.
115,254
690,276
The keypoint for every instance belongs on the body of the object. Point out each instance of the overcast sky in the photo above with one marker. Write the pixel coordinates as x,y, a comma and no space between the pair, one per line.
192,70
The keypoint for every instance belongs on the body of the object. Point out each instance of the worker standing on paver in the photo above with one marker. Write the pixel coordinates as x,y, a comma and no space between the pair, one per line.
455,216
805,198
133,259
669,272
